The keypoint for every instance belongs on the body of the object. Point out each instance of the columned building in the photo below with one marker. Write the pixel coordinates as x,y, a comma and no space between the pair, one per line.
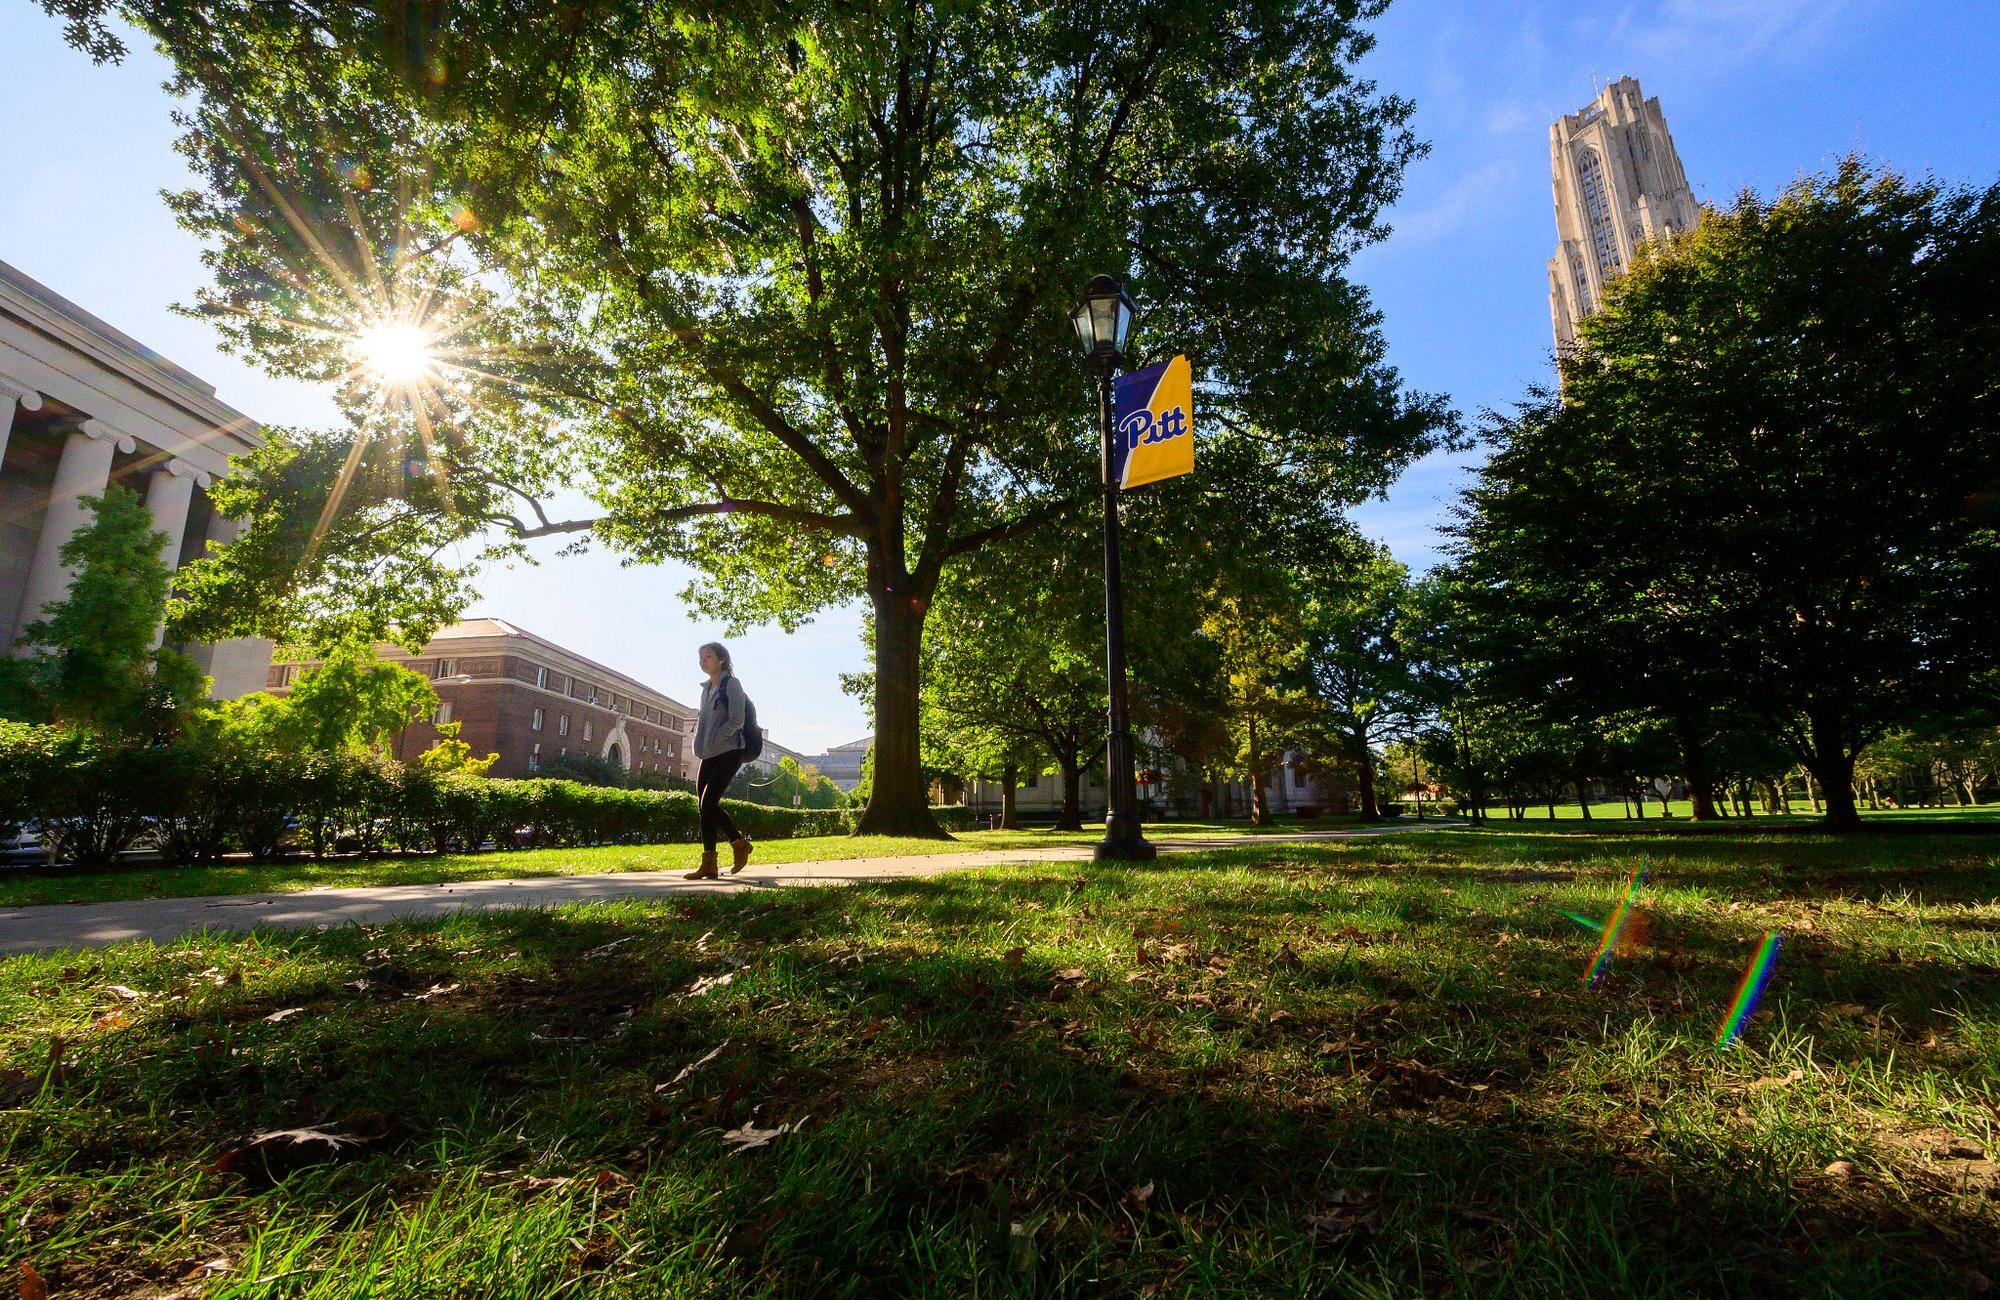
1618,184
83,406
530,701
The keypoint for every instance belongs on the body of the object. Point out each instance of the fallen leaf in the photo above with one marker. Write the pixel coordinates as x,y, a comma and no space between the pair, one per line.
279,1017
120,991
1848,1010
750,1137
1146,958
688,1070
1841,1169
117,1019
435,991
1784,1080
1350,1214
1073,975
615,944
32,1286
1141,1194
708,982
1287,958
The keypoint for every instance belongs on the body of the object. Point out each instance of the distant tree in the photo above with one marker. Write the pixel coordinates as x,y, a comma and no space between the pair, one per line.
453,756
351,700
90,660
1261,639
1359,668
1750,499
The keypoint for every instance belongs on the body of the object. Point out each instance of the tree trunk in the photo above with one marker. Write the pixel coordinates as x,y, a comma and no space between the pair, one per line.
1010,779
1694,766
897,803
1582,799
1550,797
1639,797
1260,803
1371,809
1071,817
1833,767
1812,791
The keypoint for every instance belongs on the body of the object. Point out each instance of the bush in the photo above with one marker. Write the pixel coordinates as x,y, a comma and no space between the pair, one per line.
207,795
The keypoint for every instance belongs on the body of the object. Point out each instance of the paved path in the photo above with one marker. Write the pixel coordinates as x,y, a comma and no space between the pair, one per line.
90,925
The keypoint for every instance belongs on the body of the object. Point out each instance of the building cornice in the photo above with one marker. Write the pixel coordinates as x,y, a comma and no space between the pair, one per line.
48,312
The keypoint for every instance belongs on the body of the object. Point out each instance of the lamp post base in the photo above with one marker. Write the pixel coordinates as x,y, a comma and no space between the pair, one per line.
1123,842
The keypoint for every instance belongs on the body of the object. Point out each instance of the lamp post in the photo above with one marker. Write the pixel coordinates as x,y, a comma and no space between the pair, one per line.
1103,317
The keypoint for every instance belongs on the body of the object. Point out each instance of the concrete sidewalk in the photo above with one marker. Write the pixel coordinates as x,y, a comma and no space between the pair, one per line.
90,925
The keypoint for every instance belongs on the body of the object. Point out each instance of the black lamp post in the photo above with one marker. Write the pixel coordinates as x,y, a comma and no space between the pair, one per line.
1103,317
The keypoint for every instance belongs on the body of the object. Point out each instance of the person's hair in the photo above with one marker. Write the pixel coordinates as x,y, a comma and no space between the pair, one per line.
722,653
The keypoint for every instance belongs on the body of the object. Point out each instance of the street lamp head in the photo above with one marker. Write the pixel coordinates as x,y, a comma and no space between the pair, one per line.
1103,317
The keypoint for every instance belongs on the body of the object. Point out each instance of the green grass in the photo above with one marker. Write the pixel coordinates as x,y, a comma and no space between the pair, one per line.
1363,1068
1802,811
26,887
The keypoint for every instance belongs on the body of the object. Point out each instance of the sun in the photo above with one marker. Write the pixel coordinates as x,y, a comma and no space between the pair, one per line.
398,353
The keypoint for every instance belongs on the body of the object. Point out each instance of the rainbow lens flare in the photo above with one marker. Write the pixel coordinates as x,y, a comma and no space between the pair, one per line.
1583,921
1614,929
1755,976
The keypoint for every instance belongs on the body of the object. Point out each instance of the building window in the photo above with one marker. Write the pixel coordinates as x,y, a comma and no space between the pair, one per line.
569,687
442,713
562,725
542,677
586,729
536,724
593,695
1582,278
1597,206
535,757
447,668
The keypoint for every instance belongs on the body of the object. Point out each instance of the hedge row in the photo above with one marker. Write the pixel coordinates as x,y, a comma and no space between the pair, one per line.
195,802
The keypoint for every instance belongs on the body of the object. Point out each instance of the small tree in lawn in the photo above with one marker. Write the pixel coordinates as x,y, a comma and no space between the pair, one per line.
90,661
1261,640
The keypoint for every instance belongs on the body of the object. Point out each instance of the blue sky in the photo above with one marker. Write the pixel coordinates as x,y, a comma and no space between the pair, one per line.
1757,92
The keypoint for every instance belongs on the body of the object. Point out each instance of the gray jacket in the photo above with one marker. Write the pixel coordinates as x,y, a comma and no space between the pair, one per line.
718,728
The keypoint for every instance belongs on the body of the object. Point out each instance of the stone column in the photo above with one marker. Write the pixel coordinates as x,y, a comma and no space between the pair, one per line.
11,395
168,494
83,471
241,664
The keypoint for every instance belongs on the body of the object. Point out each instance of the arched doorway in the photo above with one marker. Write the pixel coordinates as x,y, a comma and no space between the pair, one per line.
616,755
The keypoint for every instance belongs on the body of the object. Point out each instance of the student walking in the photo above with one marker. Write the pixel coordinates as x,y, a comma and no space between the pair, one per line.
719,742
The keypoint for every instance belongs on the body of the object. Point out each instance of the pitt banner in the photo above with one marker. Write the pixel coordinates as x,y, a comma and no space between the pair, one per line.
1153,419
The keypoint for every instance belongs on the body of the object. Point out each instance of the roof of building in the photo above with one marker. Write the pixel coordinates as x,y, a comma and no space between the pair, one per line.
860,746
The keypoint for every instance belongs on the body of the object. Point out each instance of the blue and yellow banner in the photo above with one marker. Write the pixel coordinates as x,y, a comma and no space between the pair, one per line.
1153,423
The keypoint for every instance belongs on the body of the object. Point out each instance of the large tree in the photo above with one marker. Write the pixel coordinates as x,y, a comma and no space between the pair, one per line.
1361,672
1767,487
779,290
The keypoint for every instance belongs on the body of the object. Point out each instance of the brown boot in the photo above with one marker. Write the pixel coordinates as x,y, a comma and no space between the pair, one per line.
706,871
739,848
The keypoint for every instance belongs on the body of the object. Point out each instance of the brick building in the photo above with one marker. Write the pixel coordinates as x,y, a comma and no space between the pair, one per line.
529,700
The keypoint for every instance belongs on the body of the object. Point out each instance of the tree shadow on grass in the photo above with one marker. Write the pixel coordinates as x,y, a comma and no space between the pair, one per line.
1030,1122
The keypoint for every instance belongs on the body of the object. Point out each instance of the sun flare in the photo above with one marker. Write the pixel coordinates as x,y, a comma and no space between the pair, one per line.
398,353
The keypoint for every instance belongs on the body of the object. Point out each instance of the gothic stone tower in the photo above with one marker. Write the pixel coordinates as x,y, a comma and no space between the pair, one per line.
1618,183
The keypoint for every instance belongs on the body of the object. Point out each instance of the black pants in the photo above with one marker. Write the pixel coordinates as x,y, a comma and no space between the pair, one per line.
715,775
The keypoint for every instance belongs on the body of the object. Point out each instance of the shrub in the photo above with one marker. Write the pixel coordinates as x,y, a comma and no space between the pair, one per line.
212,793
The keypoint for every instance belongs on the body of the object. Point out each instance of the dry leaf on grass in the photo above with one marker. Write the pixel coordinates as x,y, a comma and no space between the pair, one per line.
279,1017
750,1137
1139,1195
1287,958
1349,1214
121,992
708,982
32,1286
687,1070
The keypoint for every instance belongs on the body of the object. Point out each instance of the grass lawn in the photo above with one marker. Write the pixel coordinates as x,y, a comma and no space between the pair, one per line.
1360,1068
24,887
1802,811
